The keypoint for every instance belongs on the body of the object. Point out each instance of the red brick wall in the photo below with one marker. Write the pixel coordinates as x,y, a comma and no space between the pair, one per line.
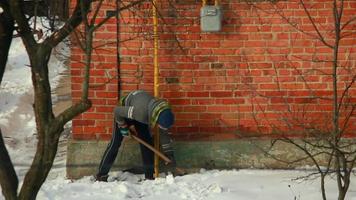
257,73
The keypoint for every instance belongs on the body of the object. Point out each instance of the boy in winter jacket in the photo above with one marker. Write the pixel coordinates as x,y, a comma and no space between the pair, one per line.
144,112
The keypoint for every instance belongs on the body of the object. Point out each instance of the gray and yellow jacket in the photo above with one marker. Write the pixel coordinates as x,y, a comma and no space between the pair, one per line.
140,106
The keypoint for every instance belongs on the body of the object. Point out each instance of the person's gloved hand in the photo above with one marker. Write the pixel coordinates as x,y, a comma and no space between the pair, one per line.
124,131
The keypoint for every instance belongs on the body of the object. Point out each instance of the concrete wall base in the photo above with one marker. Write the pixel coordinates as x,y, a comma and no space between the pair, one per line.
84,156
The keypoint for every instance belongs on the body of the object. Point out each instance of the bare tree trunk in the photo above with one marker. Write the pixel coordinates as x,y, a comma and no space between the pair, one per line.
8,178
47,144
343,175
322,186
334,73
6,30
48,126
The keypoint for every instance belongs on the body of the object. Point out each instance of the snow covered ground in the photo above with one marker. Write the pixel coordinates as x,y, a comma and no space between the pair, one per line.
17,123
206,185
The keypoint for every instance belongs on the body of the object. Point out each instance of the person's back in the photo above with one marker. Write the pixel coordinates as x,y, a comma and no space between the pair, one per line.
144,112
139,100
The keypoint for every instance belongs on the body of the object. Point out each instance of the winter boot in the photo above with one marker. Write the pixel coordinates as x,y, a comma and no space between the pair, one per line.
101,178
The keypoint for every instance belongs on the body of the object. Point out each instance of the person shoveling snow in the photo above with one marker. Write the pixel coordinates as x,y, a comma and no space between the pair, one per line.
138,113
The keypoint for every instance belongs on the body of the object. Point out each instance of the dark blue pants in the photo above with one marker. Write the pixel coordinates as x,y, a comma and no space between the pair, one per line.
113,147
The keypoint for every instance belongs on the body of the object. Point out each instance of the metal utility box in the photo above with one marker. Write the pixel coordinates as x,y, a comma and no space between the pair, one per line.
210,18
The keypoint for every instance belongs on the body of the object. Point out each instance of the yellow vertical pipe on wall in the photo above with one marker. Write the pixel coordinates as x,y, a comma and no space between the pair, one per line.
156,80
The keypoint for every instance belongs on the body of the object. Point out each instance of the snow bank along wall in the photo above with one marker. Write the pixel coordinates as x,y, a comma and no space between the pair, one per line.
246,80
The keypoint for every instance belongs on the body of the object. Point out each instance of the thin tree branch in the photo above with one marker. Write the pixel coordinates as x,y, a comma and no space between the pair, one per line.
348,22
72,111
321,37
23,27
119,10
69,26
95,15
345,91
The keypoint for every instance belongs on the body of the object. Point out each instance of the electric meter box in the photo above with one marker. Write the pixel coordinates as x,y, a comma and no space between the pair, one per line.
210,18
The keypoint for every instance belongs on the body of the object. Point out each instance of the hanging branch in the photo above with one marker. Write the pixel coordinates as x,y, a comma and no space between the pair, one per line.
321,38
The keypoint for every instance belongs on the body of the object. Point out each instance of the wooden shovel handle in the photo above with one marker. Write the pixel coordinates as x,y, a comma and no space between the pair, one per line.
161,155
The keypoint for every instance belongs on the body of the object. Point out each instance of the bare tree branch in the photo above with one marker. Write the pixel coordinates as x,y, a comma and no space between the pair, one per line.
321,37
23,27
69,26
348,22
345,91
95,15
119,10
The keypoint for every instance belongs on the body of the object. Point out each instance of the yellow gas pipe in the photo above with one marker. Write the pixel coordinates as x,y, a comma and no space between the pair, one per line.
155,81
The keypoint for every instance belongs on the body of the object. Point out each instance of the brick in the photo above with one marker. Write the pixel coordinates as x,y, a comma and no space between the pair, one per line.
187,66
262,79
202,101
305,100
268,86
231,44
292,86
281,100
194,108
216,65
242,109
99,101
105,95
93,116
221,94
131,44
180,102
105,136
104,109
197,94
104,123
200,51
96,129
77,130
105,35
317,86
187,115
76,87
254,44
208,44
209,115
274,93
189,36
205,59
174,94
214,87
230,101
278,107
83,122
230,59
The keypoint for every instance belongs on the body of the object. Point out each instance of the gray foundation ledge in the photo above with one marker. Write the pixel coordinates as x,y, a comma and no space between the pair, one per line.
83,157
